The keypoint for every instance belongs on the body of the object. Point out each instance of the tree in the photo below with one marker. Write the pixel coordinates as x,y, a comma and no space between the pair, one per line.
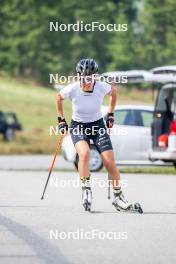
157,43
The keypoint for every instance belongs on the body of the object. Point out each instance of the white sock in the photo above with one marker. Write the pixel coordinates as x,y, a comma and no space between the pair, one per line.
85,183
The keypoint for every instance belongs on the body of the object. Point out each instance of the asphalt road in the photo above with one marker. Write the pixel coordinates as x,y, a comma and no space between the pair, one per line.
42,162
52,231
33,162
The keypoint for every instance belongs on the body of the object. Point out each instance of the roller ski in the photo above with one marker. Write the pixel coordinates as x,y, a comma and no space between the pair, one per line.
122,205
87,199
86,195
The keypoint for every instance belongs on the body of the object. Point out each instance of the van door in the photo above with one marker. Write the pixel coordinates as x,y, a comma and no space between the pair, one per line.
144,120
126,136
163,114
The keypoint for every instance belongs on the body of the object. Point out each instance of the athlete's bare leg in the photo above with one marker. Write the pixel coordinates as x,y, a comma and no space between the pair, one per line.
109,163
83,151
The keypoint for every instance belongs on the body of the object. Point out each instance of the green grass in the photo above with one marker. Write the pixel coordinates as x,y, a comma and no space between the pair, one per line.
165,171
154,170
35,108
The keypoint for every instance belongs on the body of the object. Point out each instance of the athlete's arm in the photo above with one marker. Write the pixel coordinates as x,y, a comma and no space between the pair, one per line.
63,127
112,104
112,99
59,105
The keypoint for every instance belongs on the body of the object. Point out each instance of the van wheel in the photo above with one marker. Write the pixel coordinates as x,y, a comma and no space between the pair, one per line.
95,163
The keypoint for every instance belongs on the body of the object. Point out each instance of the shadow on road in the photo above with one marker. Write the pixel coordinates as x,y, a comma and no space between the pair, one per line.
146,213
20,206
44,251
160,213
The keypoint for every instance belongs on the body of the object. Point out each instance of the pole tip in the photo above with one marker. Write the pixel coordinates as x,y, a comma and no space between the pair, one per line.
42,198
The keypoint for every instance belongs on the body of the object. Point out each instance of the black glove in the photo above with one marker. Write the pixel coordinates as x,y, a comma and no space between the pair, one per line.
63,126
110,120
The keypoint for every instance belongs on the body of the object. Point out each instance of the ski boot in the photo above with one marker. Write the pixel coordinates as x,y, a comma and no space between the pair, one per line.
122,205
87,198
86,194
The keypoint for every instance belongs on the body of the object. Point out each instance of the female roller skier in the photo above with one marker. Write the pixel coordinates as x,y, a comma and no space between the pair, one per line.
87,96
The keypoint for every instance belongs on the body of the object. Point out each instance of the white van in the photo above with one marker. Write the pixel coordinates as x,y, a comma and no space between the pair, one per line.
164,125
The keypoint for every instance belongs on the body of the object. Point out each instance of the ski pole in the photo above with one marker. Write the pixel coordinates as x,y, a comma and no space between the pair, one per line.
52,164
109,184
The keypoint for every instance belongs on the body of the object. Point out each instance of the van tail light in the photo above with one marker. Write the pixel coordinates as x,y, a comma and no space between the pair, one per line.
172,137
173,127
163,141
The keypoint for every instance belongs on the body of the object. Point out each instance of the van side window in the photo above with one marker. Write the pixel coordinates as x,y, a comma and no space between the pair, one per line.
147,118
124,117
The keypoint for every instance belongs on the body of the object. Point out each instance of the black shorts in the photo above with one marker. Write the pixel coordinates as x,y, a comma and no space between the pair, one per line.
96,131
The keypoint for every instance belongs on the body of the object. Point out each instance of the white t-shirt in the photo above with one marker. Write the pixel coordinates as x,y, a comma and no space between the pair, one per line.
86,106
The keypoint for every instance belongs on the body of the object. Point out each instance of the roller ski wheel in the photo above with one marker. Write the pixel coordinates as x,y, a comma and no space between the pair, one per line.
133,208
137,208
87,206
